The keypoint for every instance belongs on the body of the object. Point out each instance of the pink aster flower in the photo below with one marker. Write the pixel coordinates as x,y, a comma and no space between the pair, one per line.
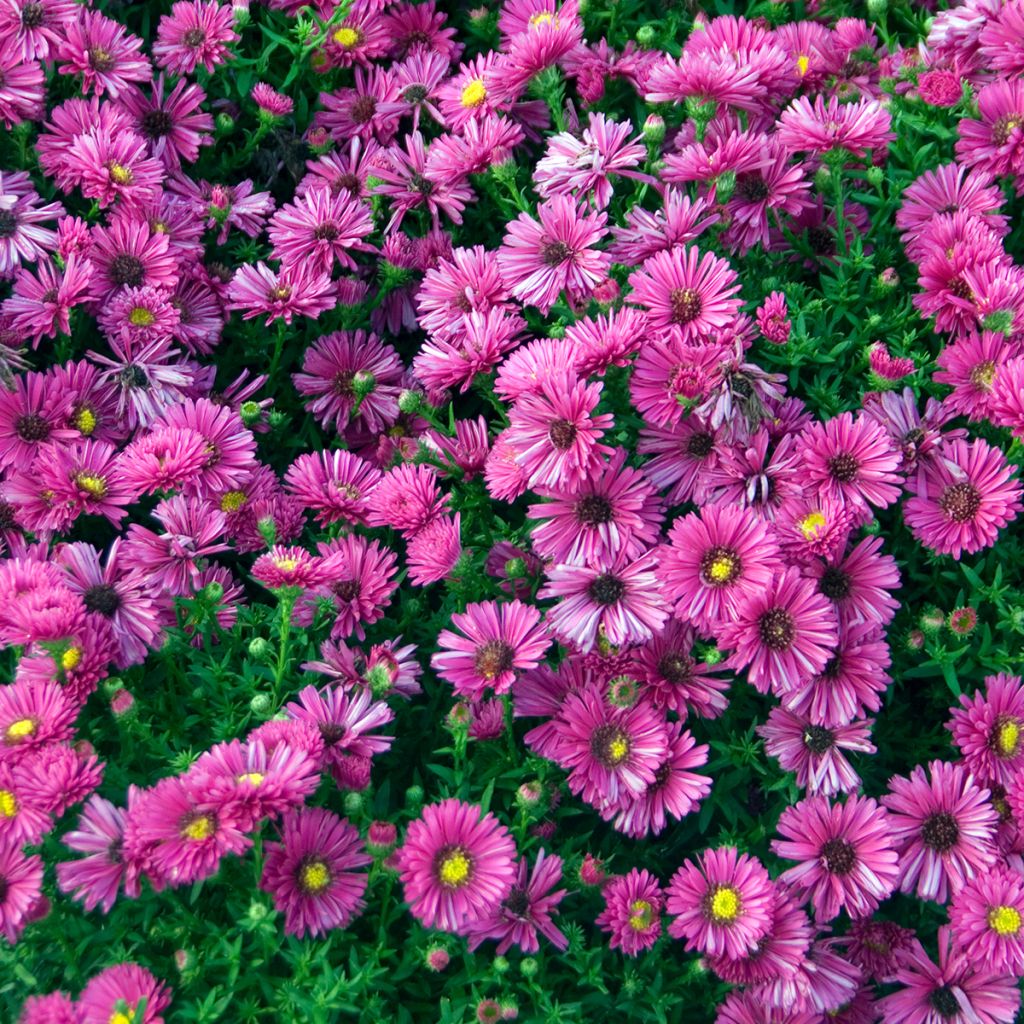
138,316
713,560
195,34
773,319
987,916
23,238
539,259
498,640
988,730
971,365
675,678
103,52
620,602
962,499
782,634
724,903
679,221
846,853
829,125
123,988
456,865
527,911
312,874
334,485
956,990
321,227
299,290
173,125
609,339
473,347
467,281
283,567
116,167
41,301
995,141
944,828
434,550
32,717
1006,407
36,27
681,289
54,1008
95,879
406,499
633,904
32,414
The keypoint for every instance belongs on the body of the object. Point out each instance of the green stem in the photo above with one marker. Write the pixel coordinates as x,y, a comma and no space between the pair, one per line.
275,360
287,602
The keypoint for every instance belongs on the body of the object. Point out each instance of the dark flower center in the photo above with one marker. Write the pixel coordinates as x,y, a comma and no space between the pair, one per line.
493,659
346,182
835,584
752,187
33,15
832,667
839,856
843,467
134,377
517,903
593,510
940,831
821,241
776,629
416,93
347,590
194,37
562,433
944,1003
102,598
341,384
326,232
126,269
363,108
960,503
331,732
32,427
686,305
606,589
817,739
609,745
555,253
720,566
157,123
1004,126
8,223
675,667
700,445
100,60
424,186
959,288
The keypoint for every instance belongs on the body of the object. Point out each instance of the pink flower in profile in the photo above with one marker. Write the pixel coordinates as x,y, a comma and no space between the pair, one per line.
633,904
96,878
773,319
944,828
782,635
987,918
828,125
724,902
692,294
620,602
434,550
498,641
1006,407
963,499
312,873
995,141
527,911
123,988
298,290
54,1008
456,865
988,730
22,878
407,498
539,259
846,853
195,34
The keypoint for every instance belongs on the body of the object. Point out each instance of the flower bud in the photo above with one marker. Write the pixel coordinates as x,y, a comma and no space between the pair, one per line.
257,912
654,129
592,871
646,36
414,797
528,966
259,648
529,794
353,803
225,123
122,704
409,401
381,836
488,1011
260,704
436,958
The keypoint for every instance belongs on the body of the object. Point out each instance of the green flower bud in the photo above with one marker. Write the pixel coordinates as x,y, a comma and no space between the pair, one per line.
646,35
260,704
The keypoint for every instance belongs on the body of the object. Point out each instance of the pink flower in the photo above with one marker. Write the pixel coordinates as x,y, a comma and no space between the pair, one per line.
107,56
633,904
195,34
988,730
124,986
299,290
828,125
772,319
320,228
987,916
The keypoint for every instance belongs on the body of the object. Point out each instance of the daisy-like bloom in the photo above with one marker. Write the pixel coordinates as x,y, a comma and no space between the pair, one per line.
674,678
526,913
298,290
987,918
129,254
956,990
574,166
25,812
829,125
272,104
54,1008
312,874
95,879
704,78
107,57
118,992
539,259
116,167
846,853
434,550
988,730
407,498
321,227
995,142
174,126
877,946
859,584
467,281
347,723
676,791
139,315
22,235
620,602
944,828
782,635
349,374
815,752
286,567
963,499
41,300
1000,40
195,34
680,220
36,27
1006,407
32,414
694,295
713,560
364,111
608,751
948,188
226,206
633,904
22,878
457,865
557,433
334,485
724,902
498,640
609,339
852,460
412,27
614,510
82,478
32,717
476,346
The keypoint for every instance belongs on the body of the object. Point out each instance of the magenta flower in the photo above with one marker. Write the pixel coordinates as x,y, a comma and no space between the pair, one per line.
123,988
987,916
456,865
195,34
298,290
830,125
988,730
633,904
96,878
321,227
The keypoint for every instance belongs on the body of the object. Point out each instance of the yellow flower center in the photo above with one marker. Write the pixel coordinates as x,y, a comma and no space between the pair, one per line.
91,484
812,524
254,777
721,568
199,828
543,18
8,804
641,915
85,421
454,869
803,62
474,93
120,174
725,904
122,1018
232,501
71,658
1008,738
617,750
347,37
22,729
314,877
159,227
286,564
141,317
1004,920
